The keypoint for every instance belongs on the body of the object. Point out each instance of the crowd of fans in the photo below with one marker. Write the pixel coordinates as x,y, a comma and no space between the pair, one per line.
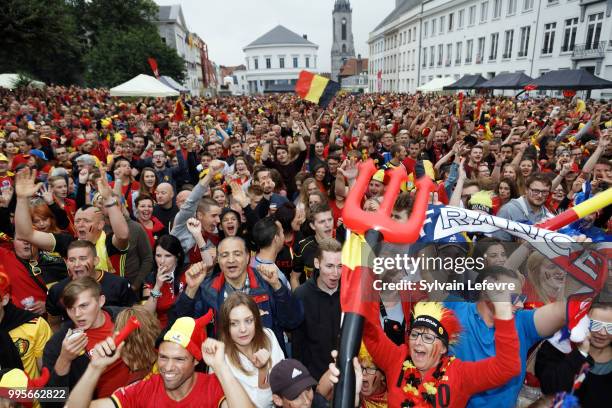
218,223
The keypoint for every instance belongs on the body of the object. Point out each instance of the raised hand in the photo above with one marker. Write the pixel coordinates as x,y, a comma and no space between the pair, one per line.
83,176
103,187
269,272
213,353
25,183
194,226
260,358
194,277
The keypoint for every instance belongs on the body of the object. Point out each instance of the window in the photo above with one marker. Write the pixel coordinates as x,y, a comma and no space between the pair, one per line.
458,52
451,21
460,18
569,34
472,16
527,5
307,62
484,11
409,35
440,54
508,39
524,46
344,29
426,29
433,27
268,63
295,62
549,38
414,37
469,46
593,31
449,54
481,50
442,22
256,61
511,7
432,55
281,62
424,57
494,43
497,8
344,48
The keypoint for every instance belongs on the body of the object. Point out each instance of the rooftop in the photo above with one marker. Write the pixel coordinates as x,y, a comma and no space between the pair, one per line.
403,7
280,35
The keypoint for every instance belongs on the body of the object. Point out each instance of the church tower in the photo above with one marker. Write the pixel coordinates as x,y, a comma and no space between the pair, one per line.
343,47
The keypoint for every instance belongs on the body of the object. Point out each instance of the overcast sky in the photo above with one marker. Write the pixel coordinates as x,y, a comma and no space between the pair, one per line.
229,25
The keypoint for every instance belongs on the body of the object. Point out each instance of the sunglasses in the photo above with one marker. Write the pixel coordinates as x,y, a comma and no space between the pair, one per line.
596,326
515,299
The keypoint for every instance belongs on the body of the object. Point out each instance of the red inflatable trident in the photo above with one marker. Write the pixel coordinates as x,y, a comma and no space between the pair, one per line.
360,221
371,225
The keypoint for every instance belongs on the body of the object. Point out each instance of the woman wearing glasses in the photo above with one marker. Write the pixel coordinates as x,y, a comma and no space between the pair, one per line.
422,373
557,369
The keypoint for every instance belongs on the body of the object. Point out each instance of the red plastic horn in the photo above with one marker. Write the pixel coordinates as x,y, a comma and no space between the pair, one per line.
131,325
360,221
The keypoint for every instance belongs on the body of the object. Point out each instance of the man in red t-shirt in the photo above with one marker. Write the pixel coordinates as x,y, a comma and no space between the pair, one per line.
177,385
66,354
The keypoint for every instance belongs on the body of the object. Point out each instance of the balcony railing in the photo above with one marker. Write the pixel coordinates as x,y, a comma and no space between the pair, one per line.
594,50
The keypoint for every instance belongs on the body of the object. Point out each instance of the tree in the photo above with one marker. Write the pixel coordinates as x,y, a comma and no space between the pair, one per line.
39,37
121,55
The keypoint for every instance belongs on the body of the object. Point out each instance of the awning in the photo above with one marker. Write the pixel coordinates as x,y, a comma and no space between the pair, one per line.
516,80
570,79
143,85
466,82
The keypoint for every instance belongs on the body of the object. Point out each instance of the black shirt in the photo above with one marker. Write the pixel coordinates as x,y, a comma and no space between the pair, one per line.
288,171
115,289
303,258
166,216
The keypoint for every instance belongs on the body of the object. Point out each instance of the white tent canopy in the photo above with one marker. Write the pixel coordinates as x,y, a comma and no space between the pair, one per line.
8,81
143,85
436,84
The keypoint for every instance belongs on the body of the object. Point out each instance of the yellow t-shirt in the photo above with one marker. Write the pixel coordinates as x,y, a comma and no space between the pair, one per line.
30,339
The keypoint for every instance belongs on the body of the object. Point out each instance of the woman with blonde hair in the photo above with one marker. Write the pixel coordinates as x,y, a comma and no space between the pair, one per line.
250,349
139,352
545,280
309,186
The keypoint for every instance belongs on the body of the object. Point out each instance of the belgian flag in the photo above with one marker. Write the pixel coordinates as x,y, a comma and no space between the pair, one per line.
316,88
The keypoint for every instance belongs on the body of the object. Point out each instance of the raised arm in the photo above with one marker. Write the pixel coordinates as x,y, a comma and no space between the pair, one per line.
604,141
25,189
550,318
495,371
121,232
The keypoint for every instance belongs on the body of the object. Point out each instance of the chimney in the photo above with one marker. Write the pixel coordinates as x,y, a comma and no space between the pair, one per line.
305,36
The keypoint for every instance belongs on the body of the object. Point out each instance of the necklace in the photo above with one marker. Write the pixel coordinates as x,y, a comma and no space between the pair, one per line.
420,393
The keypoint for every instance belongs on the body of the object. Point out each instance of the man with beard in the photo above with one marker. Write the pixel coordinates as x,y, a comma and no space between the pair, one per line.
530,207
177,384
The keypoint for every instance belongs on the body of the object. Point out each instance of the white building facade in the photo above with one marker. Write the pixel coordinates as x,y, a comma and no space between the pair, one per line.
420,41
274,60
